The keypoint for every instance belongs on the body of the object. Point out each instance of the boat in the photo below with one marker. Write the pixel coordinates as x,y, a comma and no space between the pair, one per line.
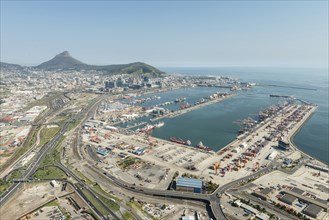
180,100
185,106
159,125
188,143
147,128
178,141
202,147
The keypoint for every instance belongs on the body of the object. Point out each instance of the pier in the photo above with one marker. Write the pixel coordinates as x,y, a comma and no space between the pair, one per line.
192,108
261,129
291,87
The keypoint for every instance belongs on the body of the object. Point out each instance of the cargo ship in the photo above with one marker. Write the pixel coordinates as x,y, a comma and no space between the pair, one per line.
180,141
147,128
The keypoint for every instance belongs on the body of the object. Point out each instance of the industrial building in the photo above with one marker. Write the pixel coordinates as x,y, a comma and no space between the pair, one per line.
263,194
317,167
297,190
319,202
313,210
284,145
289,199
54,184
102,152
189,185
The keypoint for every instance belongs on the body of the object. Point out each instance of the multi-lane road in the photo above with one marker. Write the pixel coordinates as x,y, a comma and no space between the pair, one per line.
35,164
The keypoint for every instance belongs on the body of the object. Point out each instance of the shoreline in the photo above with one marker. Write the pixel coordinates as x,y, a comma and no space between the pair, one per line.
290,138
295,132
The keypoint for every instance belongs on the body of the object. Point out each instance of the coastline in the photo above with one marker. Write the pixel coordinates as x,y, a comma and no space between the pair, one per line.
295,132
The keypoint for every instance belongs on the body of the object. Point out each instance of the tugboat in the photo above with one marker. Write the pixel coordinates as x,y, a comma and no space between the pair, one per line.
159,125
180,100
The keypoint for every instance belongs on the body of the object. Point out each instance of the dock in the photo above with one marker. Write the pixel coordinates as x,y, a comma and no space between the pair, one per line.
192,108
291,87
289,136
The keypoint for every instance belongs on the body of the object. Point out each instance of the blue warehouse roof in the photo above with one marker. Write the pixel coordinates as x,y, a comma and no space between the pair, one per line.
188,182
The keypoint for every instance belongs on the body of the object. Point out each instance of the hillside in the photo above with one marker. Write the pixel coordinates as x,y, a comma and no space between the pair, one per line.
10,66
62,61
65,61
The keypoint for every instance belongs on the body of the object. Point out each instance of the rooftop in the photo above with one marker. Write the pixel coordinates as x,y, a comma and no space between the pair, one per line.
266,191
313,210
288,198
297,190
189,182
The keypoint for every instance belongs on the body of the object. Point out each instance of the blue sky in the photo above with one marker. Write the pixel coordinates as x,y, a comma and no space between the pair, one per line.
167,33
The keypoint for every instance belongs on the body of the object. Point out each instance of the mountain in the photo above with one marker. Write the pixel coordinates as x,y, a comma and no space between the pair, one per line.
62,61
65,61
10,66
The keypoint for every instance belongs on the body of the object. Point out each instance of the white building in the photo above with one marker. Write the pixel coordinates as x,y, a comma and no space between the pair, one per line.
272,155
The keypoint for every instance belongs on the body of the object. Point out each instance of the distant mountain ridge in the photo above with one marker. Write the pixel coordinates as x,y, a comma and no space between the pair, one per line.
62,61
65,61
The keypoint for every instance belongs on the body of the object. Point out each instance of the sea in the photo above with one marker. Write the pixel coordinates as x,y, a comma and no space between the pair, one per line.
215,125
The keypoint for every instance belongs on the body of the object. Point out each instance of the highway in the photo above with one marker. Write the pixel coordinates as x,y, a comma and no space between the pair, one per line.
82,185
33,166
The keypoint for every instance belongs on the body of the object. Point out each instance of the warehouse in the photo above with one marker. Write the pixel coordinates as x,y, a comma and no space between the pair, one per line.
189,185
289,199
284,145
297,190
313,210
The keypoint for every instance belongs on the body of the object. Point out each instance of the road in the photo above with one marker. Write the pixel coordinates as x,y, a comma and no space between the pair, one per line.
30,170
34,165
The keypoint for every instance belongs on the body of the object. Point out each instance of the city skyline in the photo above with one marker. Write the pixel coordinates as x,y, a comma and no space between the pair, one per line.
167,33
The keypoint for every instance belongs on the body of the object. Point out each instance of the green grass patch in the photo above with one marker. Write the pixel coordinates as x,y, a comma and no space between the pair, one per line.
88,181
74,124
15,175
47,134
49,173
4,185
52,203
127,162
91,212
127,216
54,155
101,191
94,202
112,205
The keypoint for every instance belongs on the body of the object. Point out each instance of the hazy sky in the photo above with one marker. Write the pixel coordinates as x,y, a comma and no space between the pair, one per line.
167,33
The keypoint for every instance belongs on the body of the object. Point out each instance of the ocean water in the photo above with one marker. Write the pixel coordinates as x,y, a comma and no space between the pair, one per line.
214,124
